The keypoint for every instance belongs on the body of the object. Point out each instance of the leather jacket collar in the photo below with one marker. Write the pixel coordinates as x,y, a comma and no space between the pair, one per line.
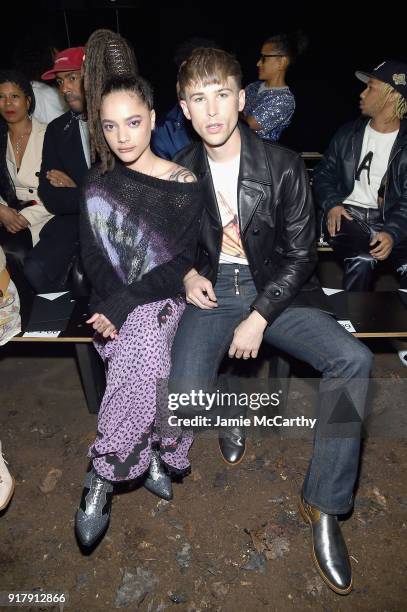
253,173
361,123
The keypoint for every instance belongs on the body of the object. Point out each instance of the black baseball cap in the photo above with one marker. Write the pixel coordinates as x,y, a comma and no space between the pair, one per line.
392,72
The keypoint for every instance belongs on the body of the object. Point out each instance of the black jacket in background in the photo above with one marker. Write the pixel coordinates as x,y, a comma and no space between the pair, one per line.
276,216
59,238
62,151
334,177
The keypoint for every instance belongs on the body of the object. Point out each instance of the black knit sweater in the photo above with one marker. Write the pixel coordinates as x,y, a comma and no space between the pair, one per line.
138,238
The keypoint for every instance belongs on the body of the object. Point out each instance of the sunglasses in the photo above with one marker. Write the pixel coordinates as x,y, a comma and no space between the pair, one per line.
264,55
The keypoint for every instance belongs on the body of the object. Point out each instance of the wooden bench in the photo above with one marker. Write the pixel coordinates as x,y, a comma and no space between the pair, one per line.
372,314
79,333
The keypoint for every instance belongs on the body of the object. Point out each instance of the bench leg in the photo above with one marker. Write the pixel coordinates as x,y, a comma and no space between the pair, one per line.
279,373
92,372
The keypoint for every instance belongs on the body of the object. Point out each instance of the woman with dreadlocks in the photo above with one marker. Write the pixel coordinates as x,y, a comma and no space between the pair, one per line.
139,231
22,214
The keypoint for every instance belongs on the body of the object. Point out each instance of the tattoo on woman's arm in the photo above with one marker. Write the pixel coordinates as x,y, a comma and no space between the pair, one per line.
182,175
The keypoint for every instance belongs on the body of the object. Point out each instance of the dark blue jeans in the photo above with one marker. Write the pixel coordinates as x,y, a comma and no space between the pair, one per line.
204,336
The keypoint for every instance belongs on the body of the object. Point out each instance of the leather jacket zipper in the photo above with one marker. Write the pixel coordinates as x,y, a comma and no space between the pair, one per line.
236,281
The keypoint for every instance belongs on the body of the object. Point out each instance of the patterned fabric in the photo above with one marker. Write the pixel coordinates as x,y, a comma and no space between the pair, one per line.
138,238
134,415
272,108
10,321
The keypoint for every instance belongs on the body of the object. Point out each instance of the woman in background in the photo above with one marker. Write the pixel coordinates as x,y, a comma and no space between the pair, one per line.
270,104
22,214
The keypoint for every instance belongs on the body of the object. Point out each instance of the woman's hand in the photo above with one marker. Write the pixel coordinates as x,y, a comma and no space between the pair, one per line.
12,220
199,291
103,326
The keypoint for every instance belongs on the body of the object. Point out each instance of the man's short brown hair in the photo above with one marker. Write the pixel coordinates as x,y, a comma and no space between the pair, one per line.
208,66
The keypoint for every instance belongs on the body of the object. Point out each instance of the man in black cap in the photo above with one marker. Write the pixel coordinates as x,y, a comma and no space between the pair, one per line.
361,182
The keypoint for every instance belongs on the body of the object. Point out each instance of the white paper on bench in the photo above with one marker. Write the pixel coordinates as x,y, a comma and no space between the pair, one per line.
329,291
347,325
41,334
52,296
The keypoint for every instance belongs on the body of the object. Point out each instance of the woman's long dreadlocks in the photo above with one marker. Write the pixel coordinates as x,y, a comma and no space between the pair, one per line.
107,55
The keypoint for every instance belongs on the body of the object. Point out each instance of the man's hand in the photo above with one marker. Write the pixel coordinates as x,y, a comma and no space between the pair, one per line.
57,178
102,325
12,220
384,248
334,218
248,337
199,291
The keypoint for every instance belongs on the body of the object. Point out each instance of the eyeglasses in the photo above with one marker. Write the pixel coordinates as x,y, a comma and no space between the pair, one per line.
264,55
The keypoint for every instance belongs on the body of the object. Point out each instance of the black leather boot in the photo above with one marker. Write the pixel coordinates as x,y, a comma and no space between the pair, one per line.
329,551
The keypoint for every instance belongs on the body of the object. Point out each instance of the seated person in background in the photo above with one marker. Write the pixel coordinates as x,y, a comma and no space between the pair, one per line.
9,327
65,161
22,214
270,104
10,321
174,132
361,182
31,57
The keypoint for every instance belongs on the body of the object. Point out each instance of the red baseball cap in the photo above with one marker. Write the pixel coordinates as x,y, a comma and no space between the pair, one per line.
69,59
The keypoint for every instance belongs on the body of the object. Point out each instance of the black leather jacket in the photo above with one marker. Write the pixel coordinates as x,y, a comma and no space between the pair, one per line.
334,177
276,217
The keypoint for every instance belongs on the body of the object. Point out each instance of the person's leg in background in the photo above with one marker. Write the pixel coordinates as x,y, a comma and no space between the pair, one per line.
397,260
351,249
7,483
48,265
16,248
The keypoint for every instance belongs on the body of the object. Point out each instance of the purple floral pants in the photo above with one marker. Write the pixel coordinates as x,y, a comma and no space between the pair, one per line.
133,414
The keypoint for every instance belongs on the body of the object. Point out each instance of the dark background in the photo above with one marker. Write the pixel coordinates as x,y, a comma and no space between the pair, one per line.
340,42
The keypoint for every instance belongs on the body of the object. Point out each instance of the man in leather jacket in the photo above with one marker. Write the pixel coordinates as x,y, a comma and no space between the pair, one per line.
253,280
361,183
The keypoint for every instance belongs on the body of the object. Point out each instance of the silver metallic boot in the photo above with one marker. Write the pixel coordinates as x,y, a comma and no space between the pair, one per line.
157,481
92,517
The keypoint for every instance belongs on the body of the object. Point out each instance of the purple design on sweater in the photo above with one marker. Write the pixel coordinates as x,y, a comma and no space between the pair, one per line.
119,233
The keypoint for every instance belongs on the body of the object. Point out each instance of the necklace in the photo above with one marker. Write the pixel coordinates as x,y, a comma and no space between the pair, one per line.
19,142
